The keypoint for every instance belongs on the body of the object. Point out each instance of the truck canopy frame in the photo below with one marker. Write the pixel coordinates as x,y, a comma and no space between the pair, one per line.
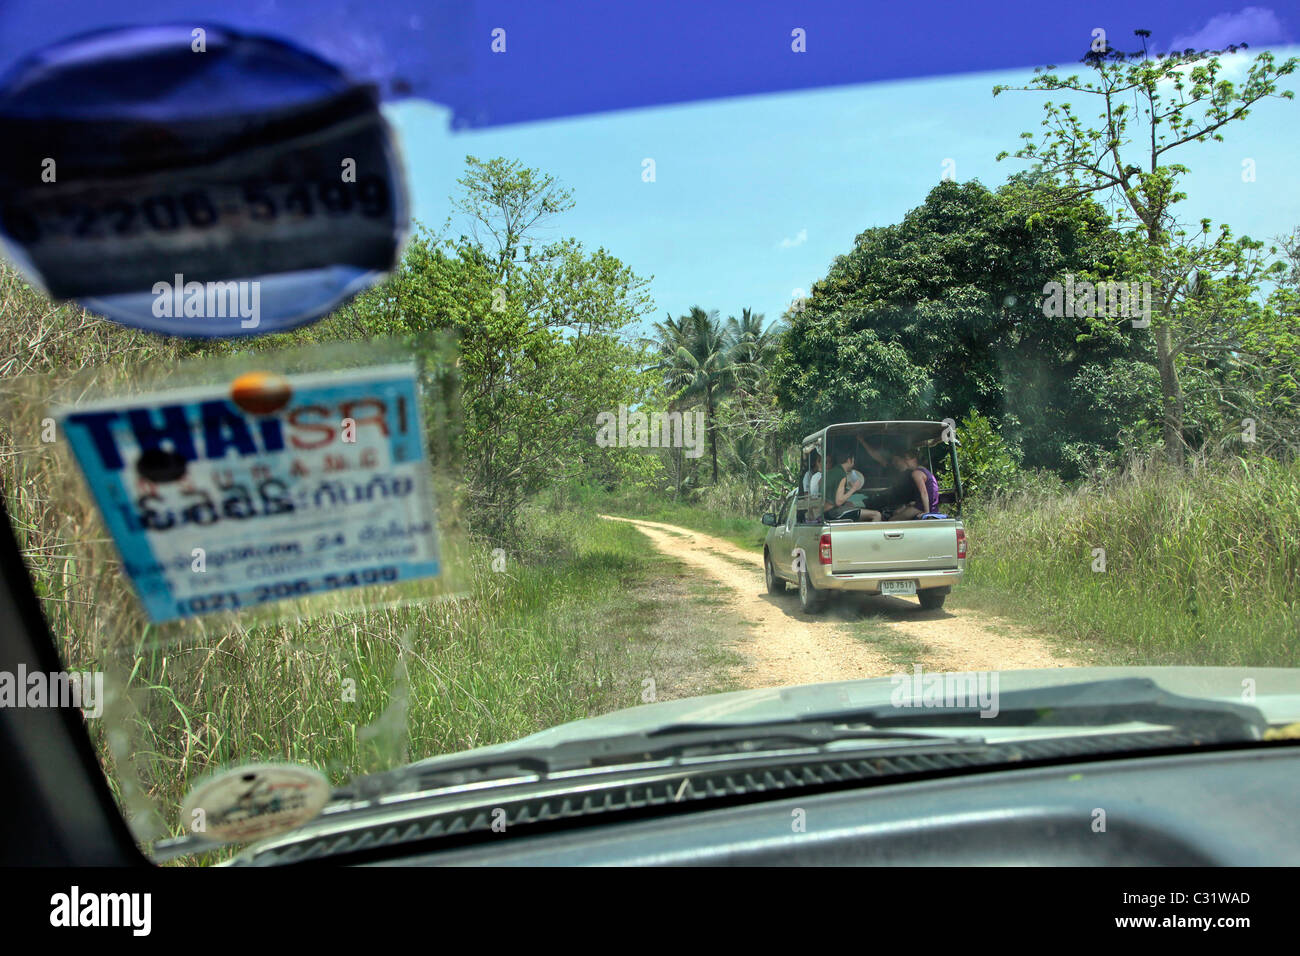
912,434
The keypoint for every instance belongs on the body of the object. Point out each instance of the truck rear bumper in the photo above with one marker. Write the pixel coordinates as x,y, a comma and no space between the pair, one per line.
869,583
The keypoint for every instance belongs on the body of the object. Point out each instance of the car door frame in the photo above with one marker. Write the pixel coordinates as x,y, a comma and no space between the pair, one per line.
782,559
57,808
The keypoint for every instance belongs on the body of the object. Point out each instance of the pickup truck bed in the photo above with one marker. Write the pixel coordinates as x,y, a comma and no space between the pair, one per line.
922,557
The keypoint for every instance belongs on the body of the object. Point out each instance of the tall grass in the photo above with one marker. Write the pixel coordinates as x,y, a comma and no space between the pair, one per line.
365,681
526,644
731,509
1201,566
365,689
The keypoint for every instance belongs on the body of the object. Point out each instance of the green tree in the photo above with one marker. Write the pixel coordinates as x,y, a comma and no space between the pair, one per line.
503,202
989,465
695,360
1271,337
753,345
1148,107
541,352
942,313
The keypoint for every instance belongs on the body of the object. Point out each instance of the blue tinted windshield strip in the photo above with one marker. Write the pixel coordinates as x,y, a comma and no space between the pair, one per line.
562,59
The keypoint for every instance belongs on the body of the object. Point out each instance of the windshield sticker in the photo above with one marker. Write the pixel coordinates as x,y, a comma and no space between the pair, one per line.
151,208
252,802
267,489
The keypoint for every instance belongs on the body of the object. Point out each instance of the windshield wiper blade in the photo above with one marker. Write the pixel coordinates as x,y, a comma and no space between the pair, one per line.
1095,704
679,741
1103,703
706,742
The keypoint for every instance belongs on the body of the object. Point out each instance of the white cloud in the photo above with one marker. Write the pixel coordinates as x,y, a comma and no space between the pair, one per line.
1256,26
798,240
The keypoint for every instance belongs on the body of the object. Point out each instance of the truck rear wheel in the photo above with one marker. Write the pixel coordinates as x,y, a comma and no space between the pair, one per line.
932,598
810,599
775,585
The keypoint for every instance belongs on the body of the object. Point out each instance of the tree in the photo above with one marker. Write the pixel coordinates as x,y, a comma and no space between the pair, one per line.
1270,382
988,464
504,201
695,360
941,314
1177,98
753,346
540,353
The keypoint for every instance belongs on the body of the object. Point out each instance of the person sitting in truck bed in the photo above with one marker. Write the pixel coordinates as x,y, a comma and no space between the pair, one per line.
919,480
887,491
812,478
843,484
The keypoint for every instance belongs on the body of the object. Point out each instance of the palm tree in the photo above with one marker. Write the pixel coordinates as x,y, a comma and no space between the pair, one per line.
753,349
695,357
749,340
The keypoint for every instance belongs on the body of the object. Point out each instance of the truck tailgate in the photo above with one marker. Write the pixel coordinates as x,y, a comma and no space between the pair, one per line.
886,546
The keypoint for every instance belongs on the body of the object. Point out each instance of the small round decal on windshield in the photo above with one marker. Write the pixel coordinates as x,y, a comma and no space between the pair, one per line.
252,802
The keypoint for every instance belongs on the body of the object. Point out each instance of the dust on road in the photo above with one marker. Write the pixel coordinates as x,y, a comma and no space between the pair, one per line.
786,646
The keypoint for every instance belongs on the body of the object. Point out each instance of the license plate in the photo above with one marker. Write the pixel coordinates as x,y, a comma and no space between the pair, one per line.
897,587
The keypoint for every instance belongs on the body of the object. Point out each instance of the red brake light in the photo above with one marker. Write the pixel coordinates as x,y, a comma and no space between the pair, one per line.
826,548
961,543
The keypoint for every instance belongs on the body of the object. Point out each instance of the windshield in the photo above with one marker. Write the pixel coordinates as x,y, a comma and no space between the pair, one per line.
987,374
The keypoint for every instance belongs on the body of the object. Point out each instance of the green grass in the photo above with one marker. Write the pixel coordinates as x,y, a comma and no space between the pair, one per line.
351,682
363,689
747,533
1201,566
731,522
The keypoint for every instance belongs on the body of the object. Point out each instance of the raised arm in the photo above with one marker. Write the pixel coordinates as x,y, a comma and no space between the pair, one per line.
880,457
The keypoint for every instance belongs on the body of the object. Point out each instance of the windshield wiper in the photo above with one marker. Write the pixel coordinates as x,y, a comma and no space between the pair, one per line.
676,743
853,731
688,745
1124,700
1103,703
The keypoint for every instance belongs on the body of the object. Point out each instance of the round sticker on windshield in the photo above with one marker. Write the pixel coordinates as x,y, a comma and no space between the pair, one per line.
249,803
196,181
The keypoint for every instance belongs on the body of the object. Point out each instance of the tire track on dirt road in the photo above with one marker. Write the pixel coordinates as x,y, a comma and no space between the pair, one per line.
788,647
784,646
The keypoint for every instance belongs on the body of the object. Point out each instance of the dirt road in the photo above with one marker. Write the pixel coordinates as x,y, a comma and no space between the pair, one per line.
856,636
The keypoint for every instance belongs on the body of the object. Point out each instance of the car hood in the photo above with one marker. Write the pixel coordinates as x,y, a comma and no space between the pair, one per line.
1275,690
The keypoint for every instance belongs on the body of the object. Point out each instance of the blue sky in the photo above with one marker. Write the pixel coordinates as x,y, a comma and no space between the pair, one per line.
754,196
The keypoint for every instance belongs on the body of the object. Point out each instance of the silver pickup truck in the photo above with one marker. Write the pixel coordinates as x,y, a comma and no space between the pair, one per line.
822,546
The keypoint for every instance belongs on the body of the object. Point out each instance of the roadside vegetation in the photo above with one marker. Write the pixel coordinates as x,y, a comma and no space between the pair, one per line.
1169,447
1153,564
572,627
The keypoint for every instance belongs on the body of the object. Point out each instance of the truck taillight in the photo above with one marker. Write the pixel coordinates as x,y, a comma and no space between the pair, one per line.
826,548
961,543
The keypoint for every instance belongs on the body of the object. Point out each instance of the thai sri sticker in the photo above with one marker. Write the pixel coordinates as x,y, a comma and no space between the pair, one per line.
196,181
259,800
267,488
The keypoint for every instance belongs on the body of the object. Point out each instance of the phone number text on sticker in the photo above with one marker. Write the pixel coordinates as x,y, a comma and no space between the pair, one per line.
268,489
